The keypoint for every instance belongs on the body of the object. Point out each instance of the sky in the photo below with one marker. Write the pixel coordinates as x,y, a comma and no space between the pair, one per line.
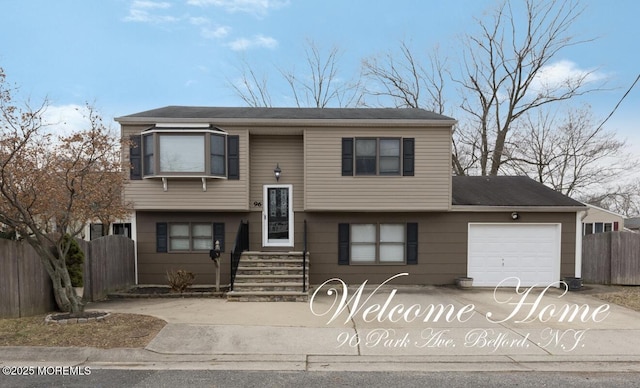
127,56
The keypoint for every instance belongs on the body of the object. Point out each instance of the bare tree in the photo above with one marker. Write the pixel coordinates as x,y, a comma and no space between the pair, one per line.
52,185
408,82
405,80
251,87
572,155
503,72
621,198
320,85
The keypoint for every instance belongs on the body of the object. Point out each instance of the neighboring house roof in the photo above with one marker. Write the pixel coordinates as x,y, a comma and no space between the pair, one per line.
213,113
506,191
632,223
604,210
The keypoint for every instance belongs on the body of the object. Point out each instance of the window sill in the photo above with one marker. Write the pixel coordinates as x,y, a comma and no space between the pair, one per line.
378,264
195,176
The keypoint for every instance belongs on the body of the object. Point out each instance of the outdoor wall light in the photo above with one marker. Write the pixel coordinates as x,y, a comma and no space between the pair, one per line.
277,171
515,216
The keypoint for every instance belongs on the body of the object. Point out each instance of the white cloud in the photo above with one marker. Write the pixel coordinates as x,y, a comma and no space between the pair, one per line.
149,4
199,21
207,30
216,32
562,73
139,12
258,41
256,7
64,119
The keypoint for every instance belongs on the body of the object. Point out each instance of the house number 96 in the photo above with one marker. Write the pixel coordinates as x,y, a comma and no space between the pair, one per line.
257,204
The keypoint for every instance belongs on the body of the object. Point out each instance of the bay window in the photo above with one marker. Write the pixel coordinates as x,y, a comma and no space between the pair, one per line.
185,152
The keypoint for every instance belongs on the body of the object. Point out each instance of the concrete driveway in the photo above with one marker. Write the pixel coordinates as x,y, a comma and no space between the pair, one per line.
400,327
390,328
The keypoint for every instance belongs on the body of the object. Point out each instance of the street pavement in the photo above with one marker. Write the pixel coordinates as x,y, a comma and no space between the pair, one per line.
386,328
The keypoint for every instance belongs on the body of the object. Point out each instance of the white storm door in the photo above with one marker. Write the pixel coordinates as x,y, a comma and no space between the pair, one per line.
277,216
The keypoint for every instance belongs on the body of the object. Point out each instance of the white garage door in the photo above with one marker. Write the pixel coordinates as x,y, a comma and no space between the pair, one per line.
530,252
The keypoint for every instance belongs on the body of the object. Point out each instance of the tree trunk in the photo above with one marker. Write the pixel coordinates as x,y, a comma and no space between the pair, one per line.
63,292
66,297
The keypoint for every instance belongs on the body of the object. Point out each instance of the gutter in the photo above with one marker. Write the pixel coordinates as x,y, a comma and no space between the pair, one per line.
280,122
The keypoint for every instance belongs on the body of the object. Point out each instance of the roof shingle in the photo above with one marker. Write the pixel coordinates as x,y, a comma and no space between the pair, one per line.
506,191
198,112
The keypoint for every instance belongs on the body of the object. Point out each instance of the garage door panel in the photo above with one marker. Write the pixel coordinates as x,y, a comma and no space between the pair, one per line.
530,252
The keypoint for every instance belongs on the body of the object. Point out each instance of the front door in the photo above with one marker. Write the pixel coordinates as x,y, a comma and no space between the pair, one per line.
277,216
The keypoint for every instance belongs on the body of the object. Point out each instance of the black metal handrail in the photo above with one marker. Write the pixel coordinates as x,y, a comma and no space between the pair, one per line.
304,257
240,245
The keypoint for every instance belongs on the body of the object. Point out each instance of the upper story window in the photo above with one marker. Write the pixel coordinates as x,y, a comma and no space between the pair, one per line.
184,151
377,156
187,153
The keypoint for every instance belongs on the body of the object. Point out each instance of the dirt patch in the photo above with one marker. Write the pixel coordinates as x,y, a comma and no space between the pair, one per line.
115,331
628,297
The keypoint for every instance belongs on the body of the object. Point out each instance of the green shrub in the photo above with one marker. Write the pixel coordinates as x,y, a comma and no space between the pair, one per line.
74,261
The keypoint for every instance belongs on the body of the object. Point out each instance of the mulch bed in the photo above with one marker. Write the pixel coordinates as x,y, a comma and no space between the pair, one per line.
166,292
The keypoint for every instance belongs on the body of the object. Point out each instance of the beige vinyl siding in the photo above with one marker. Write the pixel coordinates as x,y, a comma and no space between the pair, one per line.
266,153
442,245
326,189
187,193
597,215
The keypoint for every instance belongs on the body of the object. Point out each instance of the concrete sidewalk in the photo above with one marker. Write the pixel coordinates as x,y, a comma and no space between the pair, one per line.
392,328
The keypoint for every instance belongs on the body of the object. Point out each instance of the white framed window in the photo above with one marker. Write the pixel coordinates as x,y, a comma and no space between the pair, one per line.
598,227
392,243
378,243
363,243
185,237
377,156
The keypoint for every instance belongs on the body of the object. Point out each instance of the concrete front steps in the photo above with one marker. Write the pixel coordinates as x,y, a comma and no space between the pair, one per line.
270,277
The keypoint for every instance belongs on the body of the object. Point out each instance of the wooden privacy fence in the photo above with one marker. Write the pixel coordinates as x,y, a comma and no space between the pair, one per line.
25,286
611,258
109,265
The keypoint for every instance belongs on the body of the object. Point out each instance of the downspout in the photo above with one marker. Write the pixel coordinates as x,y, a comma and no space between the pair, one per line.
134,236
580,216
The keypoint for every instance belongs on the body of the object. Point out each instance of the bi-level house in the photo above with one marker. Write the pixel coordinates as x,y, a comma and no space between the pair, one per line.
366,193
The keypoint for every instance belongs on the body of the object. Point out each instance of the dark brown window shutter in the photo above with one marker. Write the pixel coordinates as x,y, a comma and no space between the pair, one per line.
218,234
161,237
233,157
347,156
412,243
343,244
135,157
408,156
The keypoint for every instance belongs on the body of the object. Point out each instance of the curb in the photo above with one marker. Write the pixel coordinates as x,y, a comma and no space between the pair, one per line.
142,359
